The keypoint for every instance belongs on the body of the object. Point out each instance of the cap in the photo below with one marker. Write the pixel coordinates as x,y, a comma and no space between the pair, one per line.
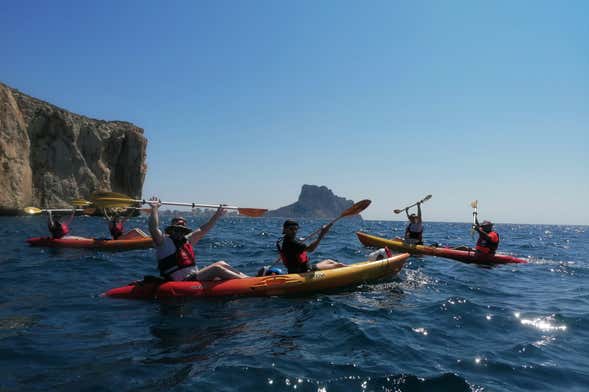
289,222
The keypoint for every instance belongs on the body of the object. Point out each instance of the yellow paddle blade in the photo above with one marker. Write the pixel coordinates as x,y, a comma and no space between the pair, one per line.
253,212
109,195
80,203
32,210
113,202
474,203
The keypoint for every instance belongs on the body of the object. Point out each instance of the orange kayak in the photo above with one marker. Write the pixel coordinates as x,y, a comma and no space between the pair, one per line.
92,243
275,285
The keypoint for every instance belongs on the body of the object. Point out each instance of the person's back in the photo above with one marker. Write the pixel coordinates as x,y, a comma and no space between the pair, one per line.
414,230
116,228
57,228
488,241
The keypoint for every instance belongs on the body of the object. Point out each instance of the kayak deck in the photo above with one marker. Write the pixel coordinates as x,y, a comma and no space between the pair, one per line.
275,285
465,256
92,243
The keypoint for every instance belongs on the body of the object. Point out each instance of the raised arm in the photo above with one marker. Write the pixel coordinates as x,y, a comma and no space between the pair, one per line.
313,245
70,218
419,211
154,221
197,234
50,218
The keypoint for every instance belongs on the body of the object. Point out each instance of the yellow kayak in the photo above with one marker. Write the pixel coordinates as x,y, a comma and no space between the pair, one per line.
275,285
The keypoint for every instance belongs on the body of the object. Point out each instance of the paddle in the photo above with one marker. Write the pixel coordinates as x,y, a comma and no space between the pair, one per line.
35,210
80,203
117,200
353,210
413,205
474,204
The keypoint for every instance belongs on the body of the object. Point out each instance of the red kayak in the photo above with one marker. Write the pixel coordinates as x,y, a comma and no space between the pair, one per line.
92,243
466,256
275,285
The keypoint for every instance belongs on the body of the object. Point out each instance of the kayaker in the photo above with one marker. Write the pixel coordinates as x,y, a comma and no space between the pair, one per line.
488,241
57,228
294,253
115,226
175,249
117,230
414,230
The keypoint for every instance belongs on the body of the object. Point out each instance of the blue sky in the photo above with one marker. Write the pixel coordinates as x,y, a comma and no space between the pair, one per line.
243,102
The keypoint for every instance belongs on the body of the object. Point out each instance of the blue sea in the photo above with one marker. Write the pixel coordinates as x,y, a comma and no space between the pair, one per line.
440,325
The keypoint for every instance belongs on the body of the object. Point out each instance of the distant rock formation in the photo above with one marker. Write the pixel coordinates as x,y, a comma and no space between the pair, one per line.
314,202
49,156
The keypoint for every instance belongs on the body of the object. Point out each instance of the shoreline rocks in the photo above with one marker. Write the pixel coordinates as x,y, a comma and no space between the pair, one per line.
49,156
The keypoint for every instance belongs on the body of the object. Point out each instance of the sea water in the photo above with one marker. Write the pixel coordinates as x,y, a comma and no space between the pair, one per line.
440,325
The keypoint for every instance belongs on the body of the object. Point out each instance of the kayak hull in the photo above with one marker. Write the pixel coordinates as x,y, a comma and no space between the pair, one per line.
275,285
465,256
92,243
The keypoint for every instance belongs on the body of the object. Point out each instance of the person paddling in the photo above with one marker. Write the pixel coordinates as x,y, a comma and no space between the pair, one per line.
488,241
294,253
414,230
57,228
175,249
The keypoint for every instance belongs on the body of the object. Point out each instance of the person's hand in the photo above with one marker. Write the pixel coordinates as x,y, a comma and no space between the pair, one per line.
155,202
221,211
325,229
475,227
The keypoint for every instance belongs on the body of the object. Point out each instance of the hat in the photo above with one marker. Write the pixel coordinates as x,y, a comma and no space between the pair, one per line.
178,223
486,223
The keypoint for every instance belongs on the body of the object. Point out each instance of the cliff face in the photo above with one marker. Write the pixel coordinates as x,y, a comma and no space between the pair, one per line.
49,156
314,202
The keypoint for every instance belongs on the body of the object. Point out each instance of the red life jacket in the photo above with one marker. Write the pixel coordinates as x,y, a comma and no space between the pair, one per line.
58,230
116,229
182,258
299,265
488,246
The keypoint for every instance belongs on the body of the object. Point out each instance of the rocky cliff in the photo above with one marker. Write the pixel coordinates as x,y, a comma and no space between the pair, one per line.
314,202
49,156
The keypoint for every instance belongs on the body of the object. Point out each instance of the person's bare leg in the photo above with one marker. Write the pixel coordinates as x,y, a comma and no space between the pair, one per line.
228,266
219,270
328,264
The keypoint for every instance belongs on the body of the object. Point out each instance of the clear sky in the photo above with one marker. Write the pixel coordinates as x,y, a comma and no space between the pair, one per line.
245,101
